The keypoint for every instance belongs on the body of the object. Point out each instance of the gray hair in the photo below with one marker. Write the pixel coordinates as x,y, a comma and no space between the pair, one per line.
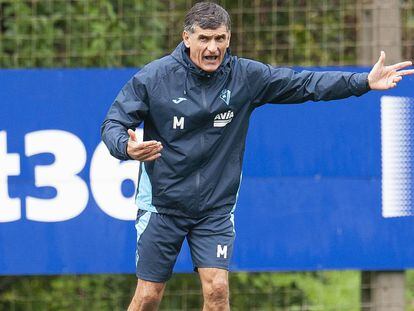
206,15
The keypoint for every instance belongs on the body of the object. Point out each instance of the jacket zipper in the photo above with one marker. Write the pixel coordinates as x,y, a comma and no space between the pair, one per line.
203,96
198,186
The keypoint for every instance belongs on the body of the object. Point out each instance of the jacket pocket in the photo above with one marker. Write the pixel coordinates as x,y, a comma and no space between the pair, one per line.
158,178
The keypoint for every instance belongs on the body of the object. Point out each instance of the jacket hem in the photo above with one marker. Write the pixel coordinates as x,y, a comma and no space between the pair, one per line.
222,210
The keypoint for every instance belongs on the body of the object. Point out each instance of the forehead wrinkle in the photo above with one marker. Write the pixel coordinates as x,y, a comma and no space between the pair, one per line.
211,32
223,35
215,36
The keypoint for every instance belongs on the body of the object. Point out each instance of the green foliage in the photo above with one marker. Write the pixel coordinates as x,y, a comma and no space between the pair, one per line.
322,290
88,292
264,291
117,33
78,33
409,290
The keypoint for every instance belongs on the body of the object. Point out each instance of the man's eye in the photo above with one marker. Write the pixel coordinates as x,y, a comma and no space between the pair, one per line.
220,39
203,39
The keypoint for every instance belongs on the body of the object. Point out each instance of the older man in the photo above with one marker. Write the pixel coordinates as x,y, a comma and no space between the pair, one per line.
195,105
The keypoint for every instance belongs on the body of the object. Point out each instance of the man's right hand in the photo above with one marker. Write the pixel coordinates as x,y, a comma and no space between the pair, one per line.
145,151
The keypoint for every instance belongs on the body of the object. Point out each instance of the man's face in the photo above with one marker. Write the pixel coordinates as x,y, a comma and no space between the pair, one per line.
207,46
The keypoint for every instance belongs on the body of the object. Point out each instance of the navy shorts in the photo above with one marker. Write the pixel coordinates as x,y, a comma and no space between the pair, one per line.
160,237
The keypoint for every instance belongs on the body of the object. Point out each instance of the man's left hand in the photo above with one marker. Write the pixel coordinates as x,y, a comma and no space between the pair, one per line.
384,77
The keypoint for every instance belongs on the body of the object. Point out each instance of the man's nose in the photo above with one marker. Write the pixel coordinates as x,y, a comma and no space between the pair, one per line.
212,46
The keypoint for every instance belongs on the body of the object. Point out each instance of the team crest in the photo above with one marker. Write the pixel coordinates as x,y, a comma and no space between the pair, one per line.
225,96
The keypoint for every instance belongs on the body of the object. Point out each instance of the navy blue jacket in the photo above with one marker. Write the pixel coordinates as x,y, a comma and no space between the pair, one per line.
201,119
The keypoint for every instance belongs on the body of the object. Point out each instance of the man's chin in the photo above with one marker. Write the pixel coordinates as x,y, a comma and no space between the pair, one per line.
210,68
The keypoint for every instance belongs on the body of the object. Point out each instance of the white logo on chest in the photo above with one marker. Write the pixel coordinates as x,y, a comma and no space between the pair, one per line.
179,100
224,118
178,122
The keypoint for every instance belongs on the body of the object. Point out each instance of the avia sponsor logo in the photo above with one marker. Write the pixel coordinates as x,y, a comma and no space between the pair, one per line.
224,118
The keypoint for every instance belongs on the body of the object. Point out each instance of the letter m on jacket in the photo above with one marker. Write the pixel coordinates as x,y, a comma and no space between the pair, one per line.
178,123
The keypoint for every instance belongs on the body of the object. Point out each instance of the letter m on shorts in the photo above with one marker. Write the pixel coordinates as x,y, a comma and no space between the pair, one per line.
221,251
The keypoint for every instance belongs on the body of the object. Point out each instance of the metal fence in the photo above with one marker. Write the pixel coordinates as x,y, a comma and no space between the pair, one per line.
108,33
300,291
407,18
249,291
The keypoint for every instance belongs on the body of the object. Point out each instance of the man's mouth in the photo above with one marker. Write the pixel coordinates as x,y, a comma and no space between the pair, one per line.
211,58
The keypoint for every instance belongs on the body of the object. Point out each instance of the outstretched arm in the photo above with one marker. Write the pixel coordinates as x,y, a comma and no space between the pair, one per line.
284,86
384,77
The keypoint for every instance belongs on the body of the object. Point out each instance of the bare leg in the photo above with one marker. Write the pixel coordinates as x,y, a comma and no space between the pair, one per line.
147,296
215,283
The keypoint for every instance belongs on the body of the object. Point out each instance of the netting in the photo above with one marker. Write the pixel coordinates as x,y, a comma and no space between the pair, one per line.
119,33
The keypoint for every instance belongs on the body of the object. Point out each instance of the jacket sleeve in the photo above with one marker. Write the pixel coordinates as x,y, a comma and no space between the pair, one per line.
127,111
285,86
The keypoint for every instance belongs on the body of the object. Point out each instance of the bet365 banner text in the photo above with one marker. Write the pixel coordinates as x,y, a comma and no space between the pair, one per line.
327,185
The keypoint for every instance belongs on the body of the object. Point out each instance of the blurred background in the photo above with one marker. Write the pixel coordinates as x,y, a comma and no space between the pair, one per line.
128,33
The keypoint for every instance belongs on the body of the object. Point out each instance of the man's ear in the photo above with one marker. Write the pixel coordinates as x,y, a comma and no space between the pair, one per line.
186,39
228,41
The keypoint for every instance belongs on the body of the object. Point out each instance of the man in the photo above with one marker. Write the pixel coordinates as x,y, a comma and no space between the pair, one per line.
195,105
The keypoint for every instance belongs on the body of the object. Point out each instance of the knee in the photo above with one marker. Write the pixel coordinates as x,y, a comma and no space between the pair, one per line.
150,299
218,291
147,298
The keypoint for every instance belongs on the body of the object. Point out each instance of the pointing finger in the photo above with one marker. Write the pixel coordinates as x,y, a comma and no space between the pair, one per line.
149,150
149,144
401,65
149,153
405,72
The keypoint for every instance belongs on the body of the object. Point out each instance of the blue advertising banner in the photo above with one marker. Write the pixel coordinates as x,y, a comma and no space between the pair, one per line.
326,185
